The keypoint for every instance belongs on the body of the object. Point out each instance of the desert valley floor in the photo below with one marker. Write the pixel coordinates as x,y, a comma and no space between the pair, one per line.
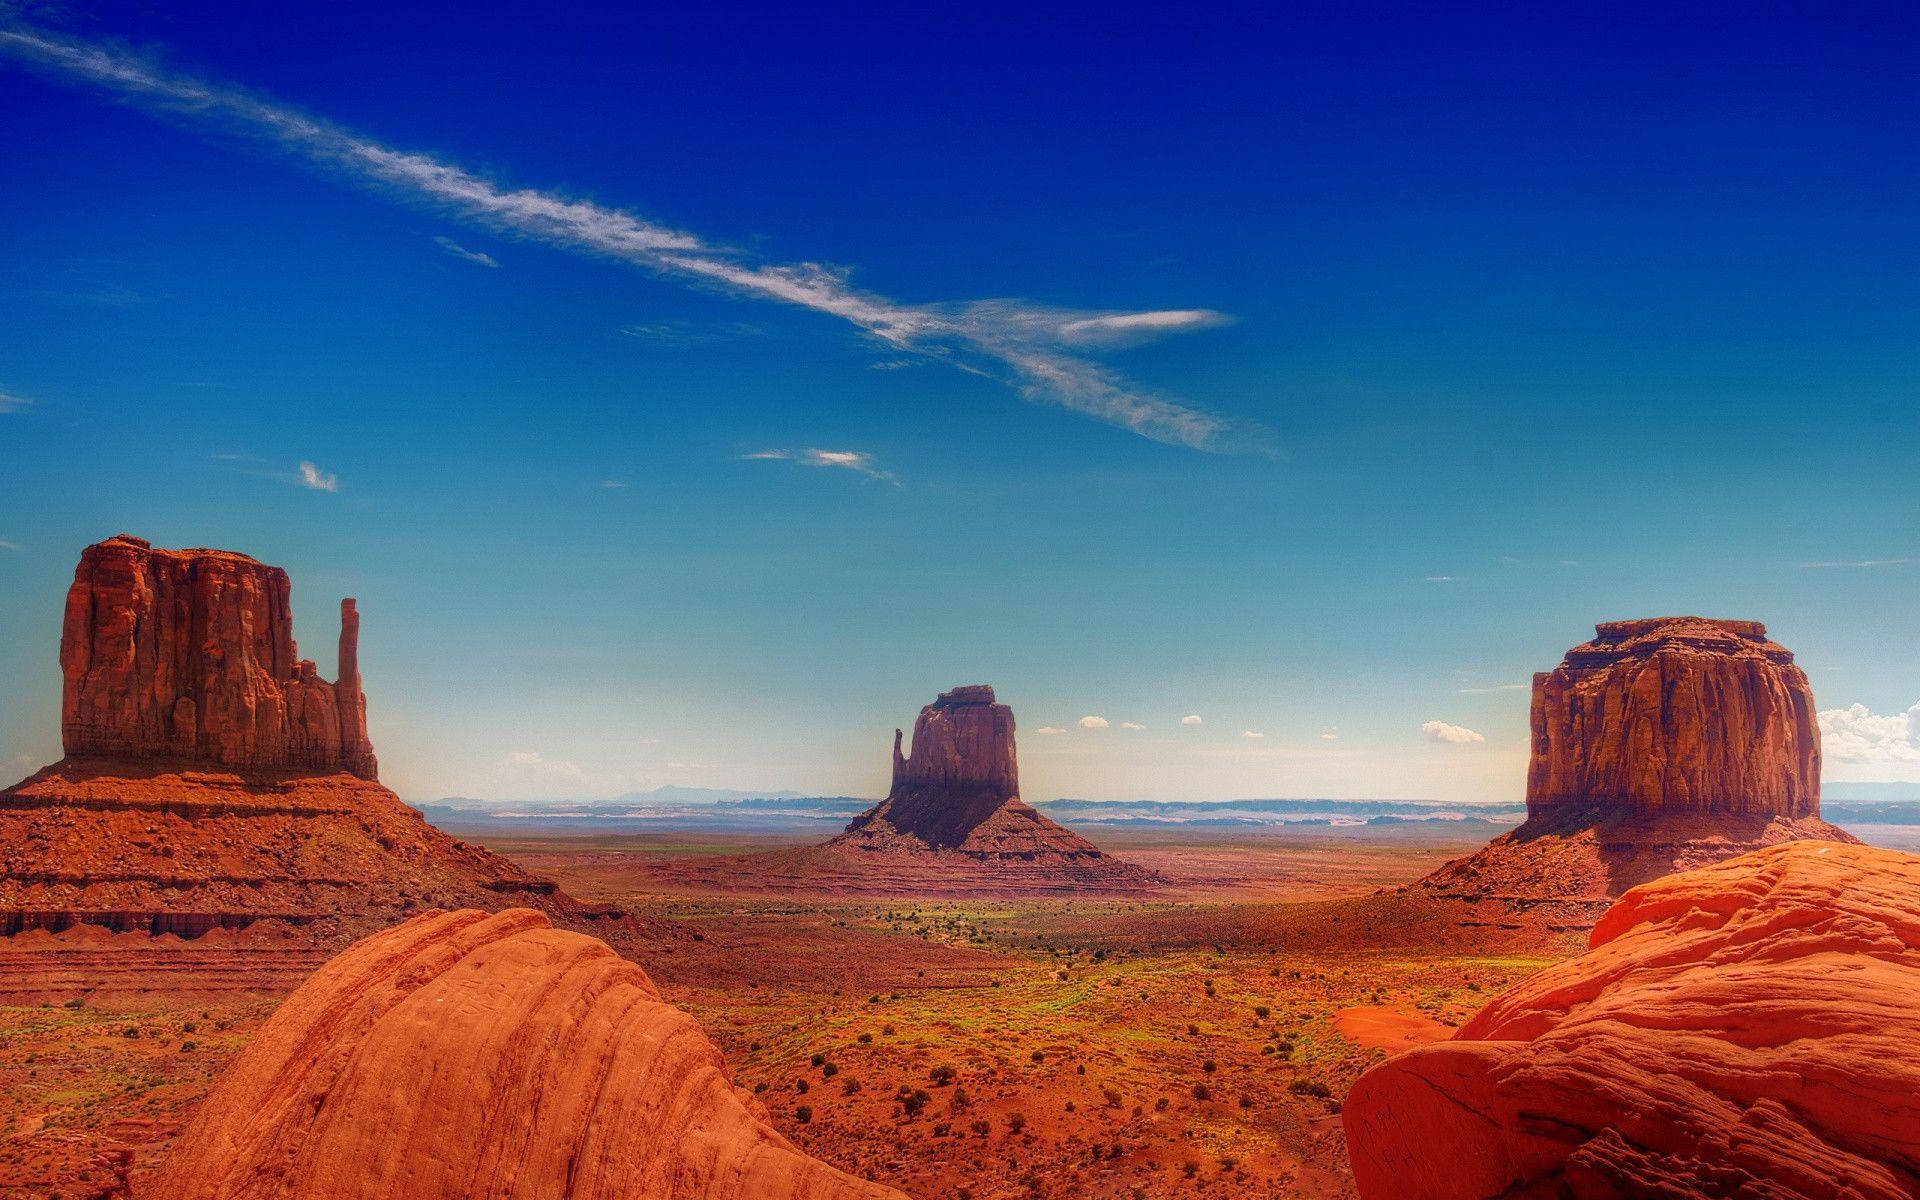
1195,1041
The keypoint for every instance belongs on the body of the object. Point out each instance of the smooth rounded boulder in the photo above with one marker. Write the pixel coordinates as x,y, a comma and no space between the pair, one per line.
486,1056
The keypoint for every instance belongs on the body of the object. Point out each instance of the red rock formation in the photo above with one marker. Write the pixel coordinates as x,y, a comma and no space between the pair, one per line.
1746,1030
1662,745
957,799
215,782
1676,715
188,655
463,1055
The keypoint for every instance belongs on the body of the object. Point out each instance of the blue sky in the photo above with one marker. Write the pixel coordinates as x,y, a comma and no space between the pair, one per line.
688,396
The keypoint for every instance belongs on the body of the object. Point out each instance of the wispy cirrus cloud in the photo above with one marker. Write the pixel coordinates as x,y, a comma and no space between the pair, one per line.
13,547
454,248
1032,348
1859,564
12,403
845,460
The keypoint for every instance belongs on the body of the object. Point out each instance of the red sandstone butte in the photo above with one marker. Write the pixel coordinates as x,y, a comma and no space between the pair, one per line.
1676,715
956,798
1749,1030
189,655
214,782
1661,745
468,1056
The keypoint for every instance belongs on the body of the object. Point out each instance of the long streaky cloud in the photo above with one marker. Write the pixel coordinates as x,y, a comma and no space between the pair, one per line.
1027,346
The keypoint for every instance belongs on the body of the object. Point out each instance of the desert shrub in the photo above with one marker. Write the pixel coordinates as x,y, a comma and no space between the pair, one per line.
1262,1012
913,1101
961,1101
1208,1066
1202,1092
886,1030
865,1039
803,1114
1310,1087
753,1047
1039,1056
759,1087
1160,1105
849,1086
1112,1096
1190,1169
1228,1162
1193,1031
1016,1122
818,1059
943,1074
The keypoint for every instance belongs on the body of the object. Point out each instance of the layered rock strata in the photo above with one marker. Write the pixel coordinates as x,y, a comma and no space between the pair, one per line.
468,1056
1746,1030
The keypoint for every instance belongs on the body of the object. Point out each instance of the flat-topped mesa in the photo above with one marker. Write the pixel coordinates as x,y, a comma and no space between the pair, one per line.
1675,715
188,655
962,740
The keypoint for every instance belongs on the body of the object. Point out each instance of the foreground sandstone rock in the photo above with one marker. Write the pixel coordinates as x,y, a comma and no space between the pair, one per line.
468,1056
955,803
214,782
1751,1029
1661,745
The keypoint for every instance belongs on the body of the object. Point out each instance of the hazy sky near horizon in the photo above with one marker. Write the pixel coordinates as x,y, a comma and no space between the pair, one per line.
1255,400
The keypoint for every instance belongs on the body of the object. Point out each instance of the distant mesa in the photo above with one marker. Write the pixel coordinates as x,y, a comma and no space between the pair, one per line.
213,780
957,797
1661,745
470,1054
1744,1030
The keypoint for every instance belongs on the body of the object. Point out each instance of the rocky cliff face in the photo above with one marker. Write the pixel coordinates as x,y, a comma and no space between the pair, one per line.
188,655
1744,1030
1676,715
463,1055
964,739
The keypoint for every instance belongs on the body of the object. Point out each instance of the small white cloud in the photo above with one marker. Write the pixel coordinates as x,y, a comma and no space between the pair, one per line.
12,403
320,481
1190,719
461,252
615,485
1863,564
1329,736
891,364
524,758
1499,687
1442,578
1453,735
1092,722
1131,725
1049,729
1251,733
845,460
536,763
1856,734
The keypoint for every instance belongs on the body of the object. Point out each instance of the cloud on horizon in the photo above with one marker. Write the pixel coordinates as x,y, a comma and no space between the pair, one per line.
1858,735
1029,347
1452,735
